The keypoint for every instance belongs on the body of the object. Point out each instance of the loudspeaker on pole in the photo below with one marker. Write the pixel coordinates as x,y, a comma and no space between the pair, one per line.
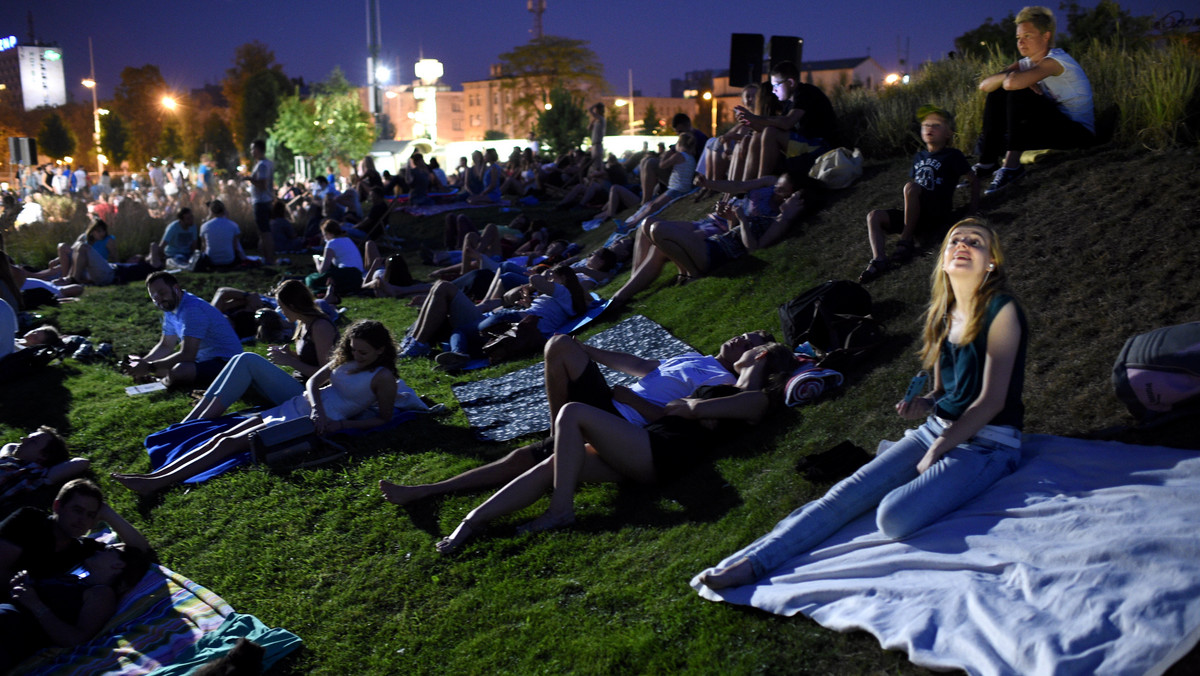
745,59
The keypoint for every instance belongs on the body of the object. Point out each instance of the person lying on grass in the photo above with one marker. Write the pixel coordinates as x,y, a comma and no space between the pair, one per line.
38,459
572,374
68,610
975,339
591,444
757,221
360,374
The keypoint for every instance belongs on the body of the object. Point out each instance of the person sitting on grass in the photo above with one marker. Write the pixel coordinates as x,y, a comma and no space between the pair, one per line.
758,221
314,339
205,338
593,445
974,342
1042,101
796,138
87,260
39,459
552,297
572,374
928,197
340,265
49,544
390,278
360,375
681,160
180,237
68,610
221,238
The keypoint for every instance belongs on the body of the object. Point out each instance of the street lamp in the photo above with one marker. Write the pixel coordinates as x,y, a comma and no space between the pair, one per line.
169,102
708,96
90,83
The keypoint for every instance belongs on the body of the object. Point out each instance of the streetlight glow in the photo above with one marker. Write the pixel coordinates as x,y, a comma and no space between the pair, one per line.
382,74
89,83
169,103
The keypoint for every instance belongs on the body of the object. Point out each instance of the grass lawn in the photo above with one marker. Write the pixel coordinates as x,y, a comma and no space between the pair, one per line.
1102,245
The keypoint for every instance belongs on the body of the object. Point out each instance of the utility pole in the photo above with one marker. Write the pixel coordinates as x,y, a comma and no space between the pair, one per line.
373,39
537,7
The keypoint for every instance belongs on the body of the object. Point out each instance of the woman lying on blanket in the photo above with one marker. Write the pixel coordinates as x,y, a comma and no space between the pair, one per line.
756,221
360,374
591,444
975,338
553,297
67,610
313,340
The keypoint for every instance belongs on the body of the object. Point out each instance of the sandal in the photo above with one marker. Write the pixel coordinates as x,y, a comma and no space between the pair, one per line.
874,270
905,250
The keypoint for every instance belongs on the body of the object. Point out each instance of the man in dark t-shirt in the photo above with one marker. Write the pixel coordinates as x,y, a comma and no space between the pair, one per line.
795,139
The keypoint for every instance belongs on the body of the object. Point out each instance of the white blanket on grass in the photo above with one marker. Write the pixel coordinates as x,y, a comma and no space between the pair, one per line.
1086,560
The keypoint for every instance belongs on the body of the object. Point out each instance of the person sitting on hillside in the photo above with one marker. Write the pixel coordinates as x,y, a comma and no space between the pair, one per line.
180,237
680,159
975,341
1042,101
204,336
87,260
313,342
594,445
928,197
360,376
718,150
282,231
482,180
572,374
221,238
390,278
340,265
50,544
803,132
760,220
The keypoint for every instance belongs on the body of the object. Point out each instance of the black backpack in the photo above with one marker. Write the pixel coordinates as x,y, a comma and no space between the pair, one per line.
835,318
25,362
1157,374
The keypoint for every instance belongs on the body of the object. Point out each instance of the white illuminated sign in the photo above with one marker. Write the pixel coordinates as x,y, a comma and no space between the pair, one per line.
42,81
8,42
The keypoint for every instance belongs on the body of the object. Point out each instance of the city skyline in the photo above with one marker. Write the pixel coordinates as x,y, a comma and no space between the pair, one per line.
193,45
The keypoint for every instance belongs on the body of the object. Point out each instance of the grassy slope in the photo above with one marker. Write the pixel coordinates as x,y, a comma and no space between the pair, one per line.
1102,245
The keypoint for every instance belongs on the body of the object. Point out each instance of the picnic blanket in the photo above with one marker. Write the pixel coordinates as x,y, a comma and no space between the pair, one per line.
156,624
514,405
435,209
1083,561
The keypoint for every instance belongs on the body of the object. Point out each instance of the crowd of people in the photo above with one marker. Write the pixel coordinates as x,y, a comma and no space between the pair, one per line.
497,277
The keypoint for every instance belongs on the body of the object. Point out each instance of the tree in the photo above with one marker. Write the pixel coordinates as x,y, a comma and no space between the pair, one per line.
564,126
171,143
990,37
1107,24
532,71
114,138
138,100
650,123
54,139
494,135
331,126
254,87
216,140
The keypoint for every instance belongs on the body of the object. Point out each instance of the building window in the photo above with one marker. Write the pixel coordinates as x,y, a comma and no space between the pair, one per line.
456,125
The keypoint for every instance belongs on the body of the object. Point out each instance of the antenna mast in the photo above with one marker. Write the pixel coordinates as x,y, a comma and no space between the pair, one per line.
537,7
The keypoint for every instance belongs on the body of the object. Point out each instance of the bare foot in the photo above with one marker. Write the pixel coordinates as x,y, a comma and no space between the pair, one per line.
138,483
740,573
399,495
453,542
548,521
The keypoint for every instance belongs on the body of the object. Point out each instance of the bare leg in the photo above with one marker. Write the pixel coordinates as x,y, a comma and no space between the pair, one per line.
774,146
435,311
877,220
490,475
202,458
912,210
753,153
690,253
649,171
643,275
565,360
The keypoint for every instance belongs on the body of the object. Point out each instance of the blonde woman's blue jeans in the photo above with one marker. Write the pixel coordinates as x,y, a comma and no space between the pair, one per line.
907,500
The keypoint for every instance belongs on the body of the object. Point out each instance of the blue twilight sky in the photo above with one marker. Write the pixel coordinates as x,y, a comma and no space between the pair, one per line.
192,42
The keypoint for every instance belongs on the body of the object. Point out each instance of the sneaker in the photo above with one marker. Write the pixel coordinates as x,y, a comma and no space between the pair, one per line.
1004,177
980,170
416,349
452,361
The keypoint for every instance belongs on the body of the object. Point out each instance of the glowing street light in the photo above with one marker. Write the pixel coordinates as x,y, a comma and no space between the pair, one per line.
169,102
708,96
382,74
549,106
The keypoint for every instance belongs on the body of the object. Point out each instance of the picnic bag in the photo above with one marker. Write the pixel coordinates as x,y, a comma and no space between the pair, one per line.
1157,374
516,341
838,168
835,319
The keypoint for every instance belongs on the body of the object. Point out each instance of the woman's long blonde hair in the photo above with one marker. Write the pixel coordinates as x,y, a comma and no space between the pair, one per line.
941,301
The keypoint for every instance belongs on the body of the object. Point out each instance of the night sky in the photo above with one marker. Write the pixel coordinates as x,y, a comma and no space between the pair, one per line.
193,42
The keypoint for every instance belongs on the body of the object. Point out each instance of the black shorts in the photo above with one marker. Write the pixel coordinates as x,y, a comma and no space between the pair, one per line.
262,216
207,371
930,225
589,388
677,445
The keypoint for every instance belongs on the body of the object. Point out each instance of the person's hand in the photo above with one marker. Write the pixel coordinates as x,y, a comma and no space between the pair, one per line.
624,395
137,368
320,422
281,355
24,593
741,112
919,407
700,181
106,513
928,460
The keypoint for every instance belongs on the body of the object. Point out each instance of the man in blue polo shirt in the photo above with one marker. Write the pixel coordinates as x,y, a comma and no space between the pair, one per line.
205,338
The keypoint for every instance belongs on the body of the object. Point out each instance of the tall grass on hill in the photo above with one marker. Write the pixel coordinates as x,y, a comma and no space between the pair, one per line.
1142,97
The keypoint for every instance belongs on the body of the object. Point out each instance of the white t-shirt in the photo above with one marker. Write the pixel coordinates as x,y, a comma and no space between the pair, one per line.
345,253
675,378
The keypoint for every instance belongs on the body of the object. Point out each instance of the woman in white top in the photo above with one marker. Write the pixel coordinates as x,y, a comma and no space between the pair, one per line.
360,374
340,265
